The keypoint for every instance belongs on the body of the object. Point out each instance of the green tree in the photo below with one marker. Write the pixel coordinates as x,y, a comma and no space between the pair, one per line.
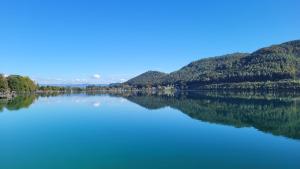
21,84
3,84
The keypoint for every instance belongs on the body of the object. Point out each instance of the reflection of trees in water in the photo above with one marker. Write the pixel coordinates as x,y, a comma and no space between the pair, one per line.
279,117
17,103
20,102
24,101
3,102
269,114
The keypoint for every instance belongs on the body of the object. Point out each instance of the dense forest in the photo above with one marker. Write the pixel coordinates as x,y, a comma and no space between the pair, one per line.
16,83
258,70
146,78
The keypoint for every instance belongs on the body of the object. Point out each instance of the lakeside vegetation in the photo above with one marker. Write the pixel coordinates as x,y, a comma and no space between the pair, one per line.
13,85
58,89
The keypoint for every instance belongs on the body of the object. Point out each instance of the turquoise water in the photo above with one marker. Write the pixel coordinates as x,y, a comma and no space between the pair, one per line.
151,132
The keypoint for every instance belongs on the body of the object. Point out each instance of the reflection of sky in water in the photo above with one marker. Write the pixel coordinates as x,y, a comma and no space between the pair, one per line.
95,101
90,132
96,104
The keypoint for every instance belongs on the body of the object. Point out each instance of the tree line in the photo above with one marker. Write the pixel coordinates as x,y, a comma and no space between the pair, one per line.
16,83
23,84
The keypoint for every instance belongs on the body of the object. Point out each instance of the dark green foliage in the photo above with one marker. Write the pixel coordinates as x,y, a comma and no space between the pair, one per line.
205,71
59,89
3,84
147,78
271,64
21,84
51,88
268,64
286,85
18,83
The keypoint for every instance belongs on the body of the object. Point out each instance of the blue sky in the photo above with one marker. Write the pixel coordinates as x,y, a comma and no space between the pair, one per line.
72,41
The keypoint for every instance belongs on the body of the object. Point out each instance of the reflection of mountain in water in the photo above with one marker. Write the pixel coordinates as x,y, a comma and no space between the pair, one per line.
276,116
269,114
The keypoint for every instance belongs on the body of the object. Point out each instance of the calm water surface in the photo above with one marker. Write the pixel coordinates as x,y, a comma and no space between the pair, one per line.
189,131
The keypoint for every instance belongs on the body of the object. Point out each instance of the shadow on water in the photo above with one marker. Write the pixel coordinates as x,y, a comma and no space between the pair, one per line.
271,113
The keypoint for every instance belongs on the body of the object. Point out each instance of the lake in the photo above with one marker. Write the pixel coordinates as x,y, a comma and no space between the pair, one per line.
150,131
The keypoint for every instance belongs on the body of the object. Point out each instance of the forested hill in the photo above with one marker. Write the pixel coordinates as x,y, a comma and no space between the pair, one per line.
264,67
146,78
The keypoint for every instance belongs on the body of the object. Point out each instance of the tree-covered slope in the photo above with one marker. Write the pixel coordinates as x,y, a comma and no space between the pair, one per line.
274,63
267,64
206,70
146,78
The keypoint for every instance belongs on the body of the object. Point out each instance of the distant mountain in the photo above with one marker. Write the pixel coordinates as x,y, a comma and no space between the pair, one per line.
146,78
264,67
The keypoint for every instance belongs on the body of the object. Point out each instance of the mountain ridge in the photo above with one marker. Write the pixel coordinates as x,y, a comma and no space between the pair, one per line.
146,78
269,64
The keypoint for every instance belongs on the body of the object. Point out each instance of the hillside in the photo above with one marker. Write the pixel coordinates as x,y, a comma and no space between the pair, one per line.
274,63
206,70
146,78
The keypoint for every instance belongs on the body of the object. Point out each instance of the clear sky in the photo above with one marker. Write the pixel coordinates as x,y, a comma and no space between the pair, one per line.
72,41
